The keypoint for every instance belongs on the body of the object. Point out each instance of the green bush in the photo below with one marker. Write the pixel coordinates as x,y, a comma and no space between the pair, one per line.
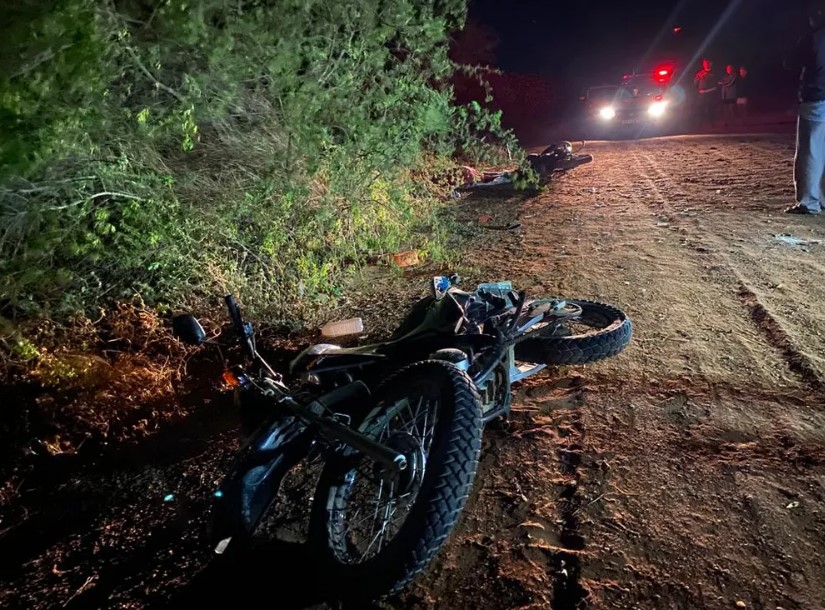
177,149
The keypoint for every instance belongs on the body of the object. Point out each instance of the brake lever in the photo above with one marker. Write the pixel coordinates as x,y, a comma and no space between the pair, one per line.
522,299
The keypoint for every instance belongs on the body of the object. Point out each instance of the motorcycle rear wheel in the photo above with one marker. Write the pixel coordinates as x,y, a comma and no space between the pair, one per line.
574,161
431,412
599,331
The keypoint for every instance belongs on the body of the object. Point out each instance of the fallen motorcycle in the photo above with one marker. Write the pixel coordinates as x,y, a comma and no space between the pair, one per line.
397,424
555,159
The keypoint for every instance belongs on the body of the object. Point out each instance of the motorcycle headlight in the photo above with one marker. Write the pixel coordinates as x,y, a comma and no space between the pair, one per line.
607,113
657,109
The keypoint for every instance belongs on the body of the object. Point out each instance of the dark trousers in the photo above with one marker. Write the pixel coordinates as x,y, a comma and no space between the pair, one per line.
708,103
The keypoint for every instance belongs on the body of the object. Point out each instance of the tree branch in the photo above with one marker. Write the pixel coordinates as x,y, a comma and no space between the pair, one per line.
40,59
95,196
151,77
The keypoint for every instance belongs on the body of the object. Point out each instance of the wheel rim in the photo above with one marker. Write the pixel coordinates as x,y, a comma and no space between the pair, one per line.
372,505
571,319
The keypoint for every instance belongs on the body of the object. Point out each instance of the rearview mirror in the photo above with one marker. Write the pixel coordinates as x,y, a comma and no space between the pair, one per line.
187,328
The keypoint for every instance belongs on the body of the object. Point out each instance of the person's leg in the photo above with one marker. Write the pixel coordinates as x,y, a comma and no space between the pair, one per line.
705,102
809,163
739,112
713,108
696,112
818,141
728,110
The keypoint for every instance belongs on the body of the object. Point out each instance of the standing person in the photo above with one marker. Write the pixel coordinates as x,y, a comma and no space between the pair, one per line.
706,86
809,164
743,93
728,85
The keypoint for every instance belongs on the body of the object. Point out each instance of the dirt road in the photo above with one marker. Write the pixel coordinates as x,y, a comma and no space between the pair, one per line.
687,473
690,471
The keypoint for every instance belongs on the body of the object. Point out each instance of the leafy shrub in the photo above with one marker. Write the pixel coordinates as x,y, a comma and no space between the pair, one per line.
177,149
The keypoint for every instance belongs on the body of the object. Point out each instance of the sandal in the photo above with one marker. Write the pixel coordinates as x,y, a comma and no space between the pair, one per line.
800,209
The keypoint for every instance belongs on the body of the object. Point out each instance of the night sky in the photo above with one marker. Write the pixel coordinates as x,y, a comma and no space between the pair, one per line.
579,43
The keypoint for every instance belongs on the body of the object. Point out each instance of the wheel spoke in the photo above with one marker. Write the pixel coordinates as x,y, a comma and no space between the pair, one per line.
376,507
387,514
426,416
414,416
429,436
364,519
377,504
379,537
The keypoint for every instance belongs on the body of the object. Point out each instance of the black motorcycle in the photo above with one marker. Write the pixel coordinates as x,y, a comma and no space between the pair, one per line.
397,424
556,158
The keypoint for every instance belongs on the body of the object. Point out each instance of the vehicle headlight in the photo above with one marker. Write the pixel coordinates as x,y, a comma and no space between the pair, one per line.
607,113
657,109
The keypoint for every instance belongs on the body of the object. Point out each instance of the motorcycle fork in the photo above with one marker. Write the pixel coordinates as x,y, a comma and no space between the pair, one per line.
523,371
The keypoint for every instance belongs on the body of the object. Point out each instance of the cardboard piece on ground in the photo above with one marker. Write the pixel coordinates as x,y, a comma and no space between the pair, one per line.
407,258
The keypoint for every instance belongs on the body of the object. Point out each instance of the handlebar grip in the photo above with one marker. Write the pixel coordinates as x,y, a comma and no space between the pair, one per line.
234,314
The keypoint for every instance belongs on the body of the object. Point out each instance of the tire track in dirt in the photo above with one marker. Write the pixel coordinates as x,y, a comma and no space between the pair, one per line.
568,592
761,317
777,336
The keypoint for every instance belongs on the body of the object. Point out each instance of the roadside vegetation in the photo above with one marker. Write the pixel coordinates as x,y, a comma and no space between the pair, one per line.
157,154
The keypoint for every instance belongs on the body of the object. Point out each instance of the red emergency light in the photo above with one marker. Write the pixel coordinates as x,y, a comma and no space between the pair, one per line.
663,74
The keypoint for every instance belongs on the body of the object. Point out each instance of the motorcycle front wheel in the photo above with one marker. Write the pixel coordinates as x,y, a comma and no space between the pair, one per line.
577,332
374,531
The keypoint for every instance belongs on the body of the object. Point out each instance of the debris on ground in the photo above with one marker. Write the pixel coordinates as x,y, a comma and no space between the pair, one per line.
793,240
511,227
343,328
407,258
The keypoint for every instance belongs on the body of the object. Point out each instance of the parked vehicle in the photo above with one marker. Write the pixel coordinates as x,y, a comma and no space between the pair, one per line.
397,424
642,104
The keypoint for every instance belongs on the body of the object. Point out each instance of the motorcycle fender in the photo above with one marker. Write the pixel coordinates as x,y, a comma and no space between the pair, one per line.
254,480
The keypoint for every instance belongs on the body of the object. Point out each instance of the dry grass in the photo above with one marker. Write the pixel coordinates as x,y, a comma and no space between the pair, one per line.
112,378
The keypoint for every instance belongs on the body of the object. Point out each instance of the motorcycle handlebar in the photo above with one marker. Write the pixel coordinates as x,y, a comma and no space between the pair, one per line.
504,339
234,314
245,338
